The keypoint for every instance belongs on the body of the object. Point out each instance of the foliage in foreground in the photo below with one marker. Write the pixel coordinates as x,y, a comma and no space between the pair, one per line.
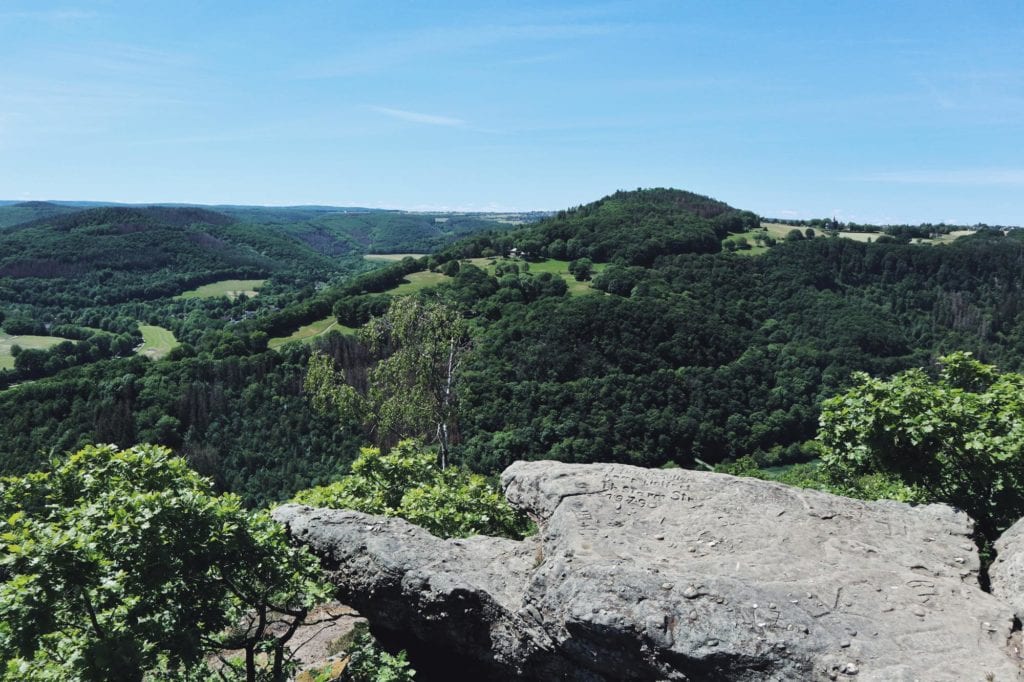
369,661
124,564
958,438
407,482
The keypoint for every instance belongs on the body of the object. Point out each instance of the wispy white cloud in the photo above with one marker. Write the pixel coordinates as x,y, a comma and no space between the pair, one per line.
388,51
976,176
55,15
82,89
535,59
416,117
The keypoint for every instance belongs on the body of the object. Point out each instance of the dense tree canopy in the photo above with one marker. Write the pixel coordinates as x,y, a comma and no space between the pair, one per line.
123,564
412,389
687,355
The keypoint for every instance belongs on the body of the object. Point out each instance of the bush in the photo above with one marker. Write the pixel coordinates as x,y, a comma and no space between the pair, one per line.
407,483
120,565
957,438
371,663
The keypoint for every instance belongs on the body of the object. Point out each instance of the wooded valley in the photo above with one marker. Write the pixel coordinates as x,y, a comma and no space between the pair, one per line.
669,349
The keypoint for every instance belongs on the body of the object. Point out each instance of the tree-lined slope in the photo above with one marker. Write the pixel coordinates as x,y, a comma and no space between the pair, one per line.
707,356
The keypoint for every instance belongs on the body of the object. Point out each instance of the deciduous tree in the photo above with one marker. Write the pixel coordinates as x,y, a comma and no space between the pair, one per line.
120,565
413,387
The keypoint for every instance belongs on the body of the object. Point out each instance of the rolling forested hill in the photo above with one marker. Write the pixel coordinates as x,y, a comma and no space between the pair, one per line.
115,254
692,354
80,286
668,348
335,232
15,213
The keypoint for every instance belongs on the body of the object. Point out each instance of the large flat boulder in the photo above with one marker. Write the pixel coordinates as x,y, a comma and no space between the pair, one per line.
641,574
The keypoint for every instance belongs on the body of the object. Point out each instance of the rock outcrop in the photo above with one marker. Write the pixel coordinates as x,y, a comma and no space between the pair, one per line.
641,574
1007,571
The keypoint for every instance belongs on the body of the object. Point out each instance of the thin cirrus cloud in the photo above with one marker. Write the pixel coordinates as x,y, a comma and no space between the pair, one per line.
391,51
417,117
49,15
979,177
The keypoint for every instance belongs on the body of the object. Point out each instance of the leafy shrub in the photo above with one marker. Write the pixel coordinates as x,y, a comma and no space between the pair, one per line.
407,482
122,564
957,438
369,662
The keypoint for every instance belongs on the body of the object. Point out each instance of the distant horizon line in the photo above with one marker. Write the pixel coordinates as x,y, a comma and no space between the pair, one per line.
330,207
86,203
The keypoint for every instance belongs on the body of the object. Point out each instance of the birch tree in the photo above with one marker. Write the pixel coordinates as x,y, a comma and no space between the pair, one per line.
420,346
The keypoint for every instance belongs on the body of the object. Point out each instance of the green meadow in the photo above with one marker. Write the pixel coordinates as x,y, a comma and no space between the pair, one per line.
555,267
391,257
156,341
26,342
310,331
232,288
416,281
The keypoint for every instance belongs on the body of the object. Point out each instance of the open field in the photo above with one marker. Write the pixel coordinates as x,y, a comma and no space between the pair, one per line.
860,236
310,331
953,236
26,342
421,280
231,288
391,257
156,341
755,249
416,281
780,230
941,239
555,267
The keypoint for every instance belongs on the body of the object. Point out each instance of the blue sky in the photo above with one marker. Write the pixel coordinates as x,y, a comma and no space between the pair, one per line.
869,111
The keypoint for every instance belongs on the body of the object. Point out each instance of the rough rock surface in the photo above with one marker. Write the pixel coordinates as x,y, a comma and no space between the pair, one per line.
641,574
1007,571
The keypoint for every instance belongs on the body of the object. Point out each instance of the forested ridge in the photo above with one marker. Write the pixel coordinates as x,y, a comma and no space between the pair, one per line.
674,351
713,356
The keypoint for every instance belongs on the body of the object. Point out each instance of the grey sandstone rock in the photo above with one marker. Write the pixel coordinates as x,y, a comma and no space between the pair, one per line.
641,574
1007,571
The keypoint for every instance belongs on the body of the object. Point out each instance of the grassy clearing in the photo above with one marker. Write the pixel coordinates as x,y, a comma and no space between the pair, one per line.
391,257
953,236
27,343
859,236
417,281
422,280
231,288
780,230
555,267
777,231
755,249
307,333
156,341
